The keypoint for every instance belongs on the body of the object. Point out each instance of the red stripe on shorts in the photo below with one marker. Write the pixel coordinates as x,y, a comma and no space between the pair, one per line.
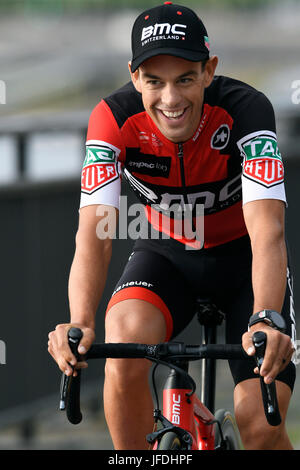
144,294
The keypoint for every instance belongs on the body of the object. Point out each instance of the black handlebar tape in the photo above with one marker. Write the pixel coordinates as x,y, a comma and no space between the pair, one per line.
223,351
120,350
73,411
134,350
269,394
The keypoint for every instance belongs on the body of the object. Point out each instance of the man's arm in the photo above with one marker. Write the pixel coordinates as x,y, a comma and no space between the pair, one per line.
89,268
265,221
86,284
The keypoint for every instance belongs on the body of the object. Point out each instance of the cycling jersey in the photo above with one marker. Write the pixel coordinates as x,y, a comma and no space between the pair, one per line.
233,158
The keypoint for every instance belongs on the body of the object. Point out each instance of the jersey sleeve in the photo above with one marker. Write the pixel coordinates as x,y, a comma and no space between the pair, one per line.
100,178
256,141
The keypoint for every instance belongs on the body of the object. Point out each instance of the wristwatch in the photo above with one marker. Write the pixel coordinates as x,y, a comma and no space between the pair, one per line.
270,317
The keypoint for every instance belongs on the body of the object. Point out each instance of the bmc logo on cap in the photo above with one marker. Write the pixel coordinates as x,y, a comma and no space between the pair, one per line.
162,29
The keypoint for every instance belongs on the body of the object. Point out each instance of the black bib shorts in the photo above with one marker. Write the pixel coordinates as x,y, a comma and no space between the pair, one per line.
166,274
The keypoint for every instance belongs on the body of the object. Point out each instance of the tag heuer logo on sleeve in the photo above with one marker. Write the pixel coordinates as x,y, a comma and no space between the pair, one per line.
100,166
261,144
99,154
262,158
267,172
96,176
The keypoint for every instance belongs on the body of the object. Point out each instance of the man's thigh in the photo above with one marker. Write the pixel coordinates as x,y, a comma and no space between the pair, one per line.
248,398
135,321
150,288
237,317
255,431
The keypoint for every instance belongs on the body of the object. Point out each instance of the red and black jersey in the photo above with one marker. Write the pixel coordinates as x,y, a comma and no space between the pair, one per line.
233,158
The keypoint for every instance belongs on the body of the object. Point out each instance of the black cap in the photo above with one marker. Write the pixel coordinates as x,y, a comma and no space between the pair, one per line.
168,29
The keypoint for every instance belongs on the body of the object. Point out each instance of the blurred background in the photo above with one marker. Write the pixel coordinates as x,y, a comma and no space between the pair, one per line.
58,58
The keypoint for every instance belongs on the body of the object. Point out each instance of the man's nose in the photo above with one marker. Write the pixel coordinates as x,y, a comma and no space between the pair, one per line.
170,96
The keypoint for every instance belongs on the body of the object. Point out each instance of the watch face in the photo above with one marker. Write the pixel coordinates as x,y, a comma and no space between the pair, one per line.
276,319
281,322
270,317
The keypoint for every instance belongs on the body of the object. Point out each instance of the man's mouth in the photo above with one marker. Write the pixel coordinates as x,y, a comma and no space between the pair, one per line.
173,114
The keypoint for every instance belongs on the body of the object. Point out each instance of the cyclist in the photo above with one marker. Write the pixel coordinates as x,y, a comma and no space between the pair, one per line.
179,133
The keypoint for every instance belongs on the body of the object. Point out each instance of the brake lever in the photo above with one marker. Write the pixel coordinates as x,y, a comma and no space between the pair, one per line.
270,402
74,337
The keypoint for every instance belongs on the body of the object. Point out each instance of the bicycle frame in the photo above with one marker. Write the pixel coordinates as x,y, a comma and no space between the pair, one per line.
188,412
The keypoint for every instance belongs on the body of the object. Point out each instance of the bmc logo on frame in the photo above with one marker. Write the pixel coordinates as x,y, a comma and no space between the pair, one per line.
163,30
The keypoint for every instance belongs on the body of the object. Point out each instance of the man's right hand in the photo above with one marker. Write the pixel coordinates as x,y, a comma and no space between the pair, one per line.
59,348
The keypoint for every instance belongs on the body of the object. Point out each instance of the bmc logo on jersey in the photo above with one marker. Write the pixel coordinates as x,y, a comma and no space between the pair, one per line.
262,159
163,31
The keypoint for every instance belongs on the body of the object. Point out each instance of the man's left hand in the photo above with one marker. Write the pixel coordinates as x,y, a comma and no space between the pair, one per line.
279,351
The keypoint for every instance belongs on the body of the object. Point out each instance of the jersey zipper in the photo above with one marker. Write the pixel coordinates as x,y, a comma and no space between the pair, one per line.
183,184
182,174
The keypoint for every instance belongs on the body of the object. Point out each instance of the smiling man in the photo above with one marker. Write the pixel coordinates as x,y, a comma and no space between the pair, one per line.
172,90
182,135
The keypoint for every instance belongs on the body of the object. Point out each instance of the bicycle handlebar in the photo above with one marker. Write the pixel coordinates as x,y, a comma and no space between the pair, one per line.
163,351
70,385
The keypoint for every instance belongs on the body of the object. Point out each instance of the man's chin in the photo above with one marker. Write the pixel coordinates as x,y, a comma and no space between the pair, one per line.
175,137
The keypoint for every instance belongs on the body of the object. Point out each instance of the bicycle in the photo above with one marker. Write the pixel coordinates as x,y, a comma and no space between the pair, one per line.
186,421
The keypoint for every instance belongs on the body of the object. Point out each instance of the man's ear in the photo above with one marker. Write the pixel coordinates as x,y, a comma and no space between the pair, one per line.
209,70
135,78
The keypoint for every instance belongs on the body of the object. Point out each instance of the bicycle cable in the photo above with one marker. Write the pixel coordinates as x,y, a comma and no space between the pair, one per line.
154,385
177,369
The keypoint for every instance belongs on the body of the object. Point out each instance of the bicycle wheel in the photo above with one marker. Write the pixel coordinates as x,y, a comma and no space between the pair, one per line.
229,430
169,441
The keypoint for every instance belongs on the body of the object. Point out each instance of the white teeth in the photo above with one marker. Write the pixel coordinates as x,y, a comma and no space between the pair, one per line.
174,114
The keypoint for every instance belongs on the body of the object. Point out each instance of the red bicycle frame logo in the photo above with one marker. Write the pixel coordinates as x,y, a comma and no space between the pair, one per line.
191,414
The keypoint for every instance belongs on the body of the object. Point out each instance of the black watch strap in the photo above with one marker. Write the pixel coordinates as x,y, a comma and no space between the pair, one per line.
270,317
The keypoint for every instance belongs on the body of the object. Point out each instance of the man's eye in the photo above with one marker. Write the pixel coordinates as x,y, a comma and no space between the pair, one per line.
185,80
153,82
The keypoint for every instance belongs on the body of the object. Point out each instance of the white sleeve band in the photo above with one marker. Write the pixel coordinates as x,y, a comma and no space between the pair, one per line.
253,191
109,195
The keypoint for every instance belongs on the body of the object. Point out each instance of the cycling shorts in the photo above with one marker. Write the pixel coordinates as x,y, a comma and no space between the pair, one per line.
173,280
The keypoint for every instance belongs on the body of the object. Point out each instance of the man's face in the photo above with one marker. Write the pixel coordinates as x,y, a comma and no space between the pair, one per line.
172,91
